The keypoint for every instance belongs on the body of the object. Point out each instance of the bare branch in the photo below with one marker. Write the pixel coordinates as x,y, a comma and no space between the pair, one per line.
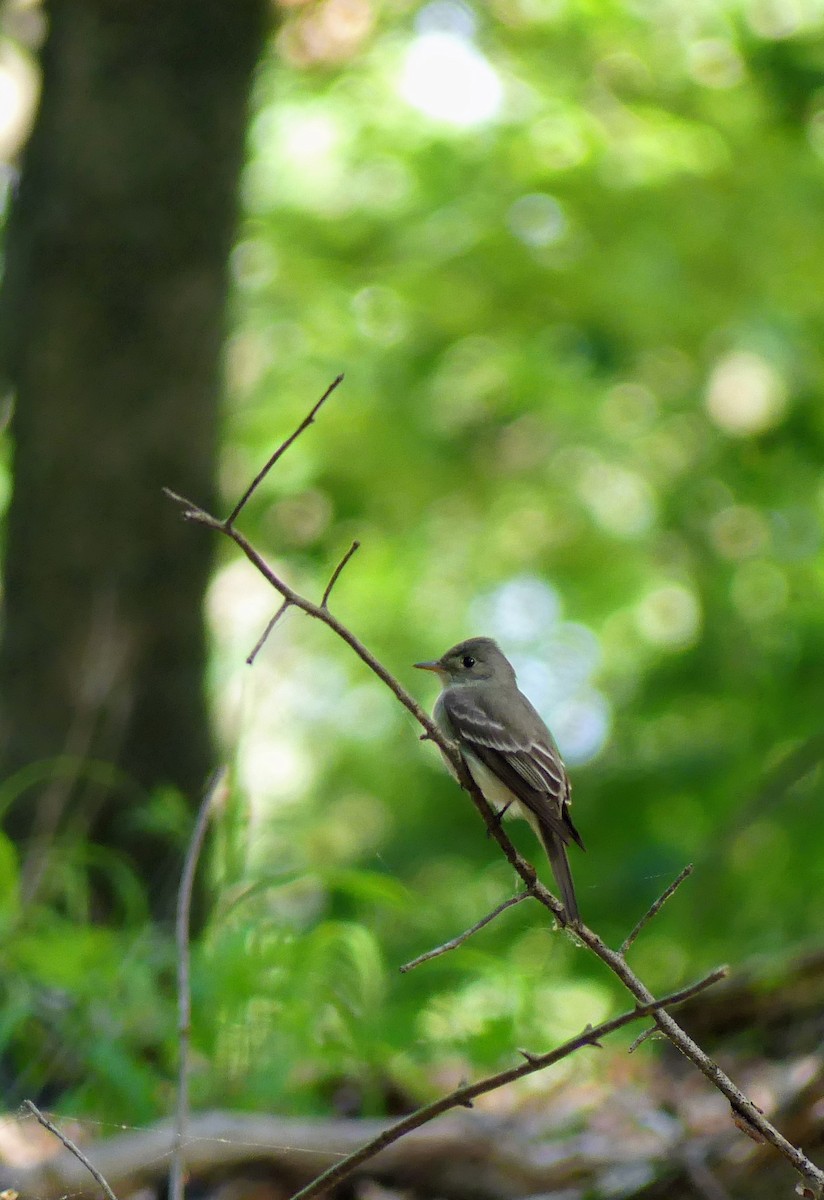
70,1145
335,574
282,448
184,994
656,907
455,942
614,961
739,1103
259,644
464,1095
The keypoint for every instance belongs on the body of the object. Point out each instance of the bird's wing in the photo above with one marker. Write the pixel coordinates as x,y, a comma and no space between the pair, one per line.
529,765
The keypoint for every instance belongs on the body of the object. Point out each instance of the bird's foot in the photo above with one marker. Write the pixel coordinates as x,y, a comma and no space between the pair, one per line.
495,824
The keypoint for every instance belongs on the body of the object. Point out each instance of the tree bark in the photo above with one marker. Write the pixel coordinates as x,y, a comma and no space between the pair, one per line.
112,320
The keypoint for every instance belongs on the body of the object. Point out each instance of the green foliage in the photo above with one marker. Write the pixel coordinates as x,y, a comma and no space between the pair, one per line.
582,412
86,1007
263,996
582,345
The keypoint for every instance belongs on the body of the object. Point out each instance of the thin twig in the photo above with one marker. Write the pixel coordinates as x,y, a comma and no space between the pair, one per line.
656,907
642,1037
259,644
70,1145
455,942
463,1096
355,546
282,448
184,993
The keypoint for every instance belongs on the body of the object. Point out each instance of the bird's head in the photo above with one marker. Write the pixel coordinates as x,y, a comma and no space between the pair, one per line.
476,659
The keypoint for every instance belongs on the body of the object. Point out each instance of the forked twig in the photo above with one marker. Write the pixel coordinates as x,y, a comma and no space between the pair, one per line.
455,942
260,643
463,1096
184,992
656,907
71,1147
198,516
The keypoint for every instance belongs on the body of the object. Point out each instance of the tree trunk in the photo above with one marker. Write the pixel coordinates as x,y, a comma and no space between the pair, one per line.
111,324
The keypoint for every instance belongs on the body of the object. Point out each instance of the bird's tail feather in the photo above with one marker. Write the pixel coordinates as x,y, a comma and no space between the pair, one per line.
556,853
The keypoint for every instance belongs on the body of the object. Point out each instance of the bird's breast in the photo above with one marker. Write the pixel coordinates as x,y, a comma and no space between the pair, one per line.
497,794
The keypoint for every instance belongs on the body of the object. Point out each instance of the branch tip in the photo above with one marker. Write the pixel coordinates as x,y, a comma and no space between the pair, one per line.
259,644
336,573
70,1146
528,1055
282,448
459,940
655,908
642,1037
190,510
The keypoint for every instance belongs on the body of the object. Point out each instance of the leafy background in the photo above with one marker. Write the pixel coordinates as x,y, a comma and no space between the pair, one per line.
579,308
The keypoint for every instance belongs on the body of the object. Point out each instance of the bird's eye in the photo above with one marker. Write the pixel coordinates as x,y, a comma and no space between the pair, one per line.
468,661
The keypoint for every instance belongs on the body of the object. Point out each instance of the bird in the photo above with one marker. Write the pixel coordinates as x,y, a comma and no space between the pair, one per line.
507,749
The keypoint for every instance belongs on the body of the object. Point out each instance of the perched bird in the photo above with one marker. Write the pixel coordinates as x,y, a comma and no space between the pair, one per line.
507,748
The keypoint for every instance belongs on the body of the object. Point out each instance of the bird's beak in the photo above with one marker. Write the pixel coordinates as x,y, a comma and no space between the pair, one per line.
433,665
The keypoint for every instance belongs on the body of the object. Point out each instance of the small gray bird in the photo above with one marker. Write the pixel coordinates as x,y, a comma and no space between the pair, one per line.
507,749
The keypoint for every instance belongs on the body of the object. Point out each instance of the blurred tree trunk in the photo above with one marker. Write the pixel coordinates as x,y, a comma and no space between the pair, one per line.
112,321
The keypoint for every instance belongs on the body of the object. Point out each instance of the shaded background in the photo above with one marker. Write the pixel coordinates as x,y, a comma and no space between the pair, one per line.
570,259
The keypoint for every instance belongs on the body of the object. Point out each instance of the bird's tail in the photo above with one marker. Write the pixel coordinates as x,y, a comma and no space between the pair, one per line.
557,855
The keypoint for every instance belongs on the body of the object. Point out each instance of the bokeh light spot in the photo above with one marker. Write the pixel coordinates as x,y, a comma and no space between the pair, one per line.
558,142
554,660
745,394
447,16
621,501
19,86
582,726
759,590
537,220
379,314
628,409
796,532
445,77
739,531
714,63
778,19
669,616
519,612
